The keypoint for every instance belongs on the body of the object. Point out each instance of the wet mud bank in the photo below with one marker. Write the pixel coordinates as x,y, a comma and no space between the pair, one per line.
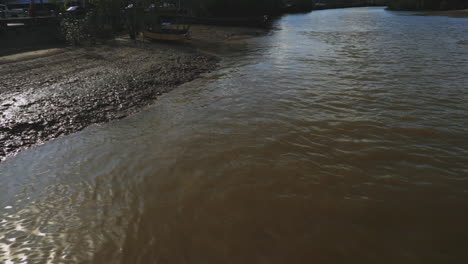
45,95
449,13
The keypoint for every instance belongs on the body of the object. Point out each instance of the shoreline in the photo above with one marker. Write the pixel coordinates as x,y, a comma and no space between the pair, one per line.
460,13
51,93
46,94
456,13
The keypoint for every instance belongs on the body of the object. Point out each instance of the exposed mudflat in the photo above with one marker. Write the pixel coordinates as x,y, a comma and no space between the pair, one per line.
450,13
45,95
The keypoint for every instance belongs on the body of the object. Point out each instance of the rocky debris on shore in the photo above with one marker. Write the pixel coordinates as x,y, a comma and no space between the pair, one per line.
49,96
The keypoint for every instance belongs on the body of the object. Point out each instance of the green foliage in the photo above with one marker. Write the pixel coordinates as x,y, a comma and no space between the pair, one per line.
102,20
83,30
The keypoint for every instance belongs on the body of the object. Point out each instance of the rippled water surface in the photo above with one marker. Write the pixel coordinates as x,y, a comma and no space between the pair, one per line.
340,137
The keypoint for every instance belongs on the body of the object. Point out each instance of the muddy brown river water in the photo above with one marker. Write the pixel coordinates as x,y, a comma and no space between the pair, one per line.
340,137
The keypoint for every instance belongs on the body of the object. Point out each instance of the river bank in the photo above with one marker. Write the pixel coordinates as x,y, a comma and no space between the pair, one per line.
450,13
48,93
56,92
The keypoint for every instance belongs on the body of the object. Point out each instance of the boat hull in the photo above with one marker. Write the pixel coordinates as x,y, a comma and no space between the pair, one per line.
165,36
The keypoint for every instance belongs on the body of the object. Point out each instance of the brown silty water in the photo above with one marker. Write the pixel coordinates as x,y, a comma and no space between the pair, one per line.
341,137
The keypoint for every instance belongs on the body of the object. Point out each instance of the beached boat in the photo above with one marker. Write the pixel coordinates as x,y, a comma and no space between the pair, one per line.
168,35
163,23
